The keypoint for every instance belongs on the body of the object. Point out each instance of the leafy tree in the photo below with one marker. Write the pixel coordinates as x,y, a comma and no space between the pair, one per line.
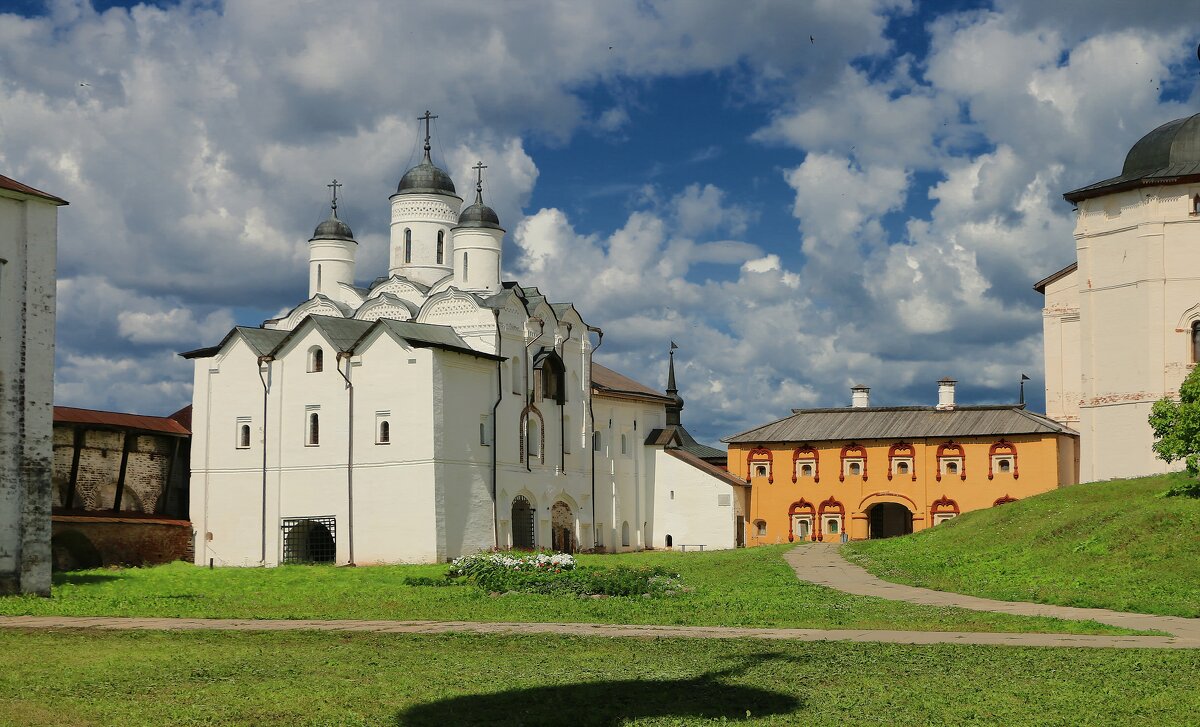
1176,426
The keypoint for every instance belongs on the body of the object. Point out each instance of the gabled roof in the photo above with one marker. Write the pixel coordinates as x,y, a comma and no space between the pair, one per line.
342,333
345,335
678,437
13,185
261,340
428,335
606,382
711,469
900,422
1040,286
118,420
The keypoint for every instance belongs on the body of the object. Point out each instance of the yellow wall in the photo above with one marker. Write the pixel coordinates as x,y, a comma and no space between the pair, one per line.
1044,462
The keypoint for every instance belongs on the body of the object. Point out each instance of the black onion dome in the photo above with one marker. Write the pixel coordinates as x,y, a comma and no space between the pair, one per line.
479,215
333,229
425,178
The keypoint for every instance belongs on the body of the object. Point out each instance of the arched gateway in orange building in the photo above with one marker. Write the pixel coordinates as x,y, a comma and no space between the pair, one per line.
879,472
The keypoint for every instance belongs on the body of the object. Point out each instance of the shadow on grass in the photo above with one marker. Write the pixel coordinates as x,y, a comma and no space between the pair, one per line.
83,579
607,702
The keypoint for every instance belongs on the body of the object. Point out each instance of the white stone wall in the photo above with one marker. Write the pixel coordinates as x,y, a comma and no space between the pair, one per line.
28,239
692,506
1139,292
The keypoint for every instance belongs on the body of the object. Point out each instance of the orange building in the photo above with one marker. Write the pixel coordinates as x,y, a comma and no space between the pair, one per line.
874,472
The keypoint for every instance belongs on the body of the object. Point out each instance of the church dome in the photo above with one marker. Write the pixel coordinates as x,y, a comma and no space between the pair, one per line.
425,178
479,215
1174,143
333,229
1168,155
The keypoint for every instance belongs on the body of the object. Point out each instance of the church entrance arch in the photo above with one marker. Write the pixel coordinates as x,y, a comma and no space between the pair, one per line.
522,523
562,523
889,519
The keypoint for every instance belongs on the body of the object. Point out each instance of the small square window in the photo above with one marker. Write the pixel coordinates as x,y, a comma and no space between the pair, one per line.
760,470
853,467
761,528
807,469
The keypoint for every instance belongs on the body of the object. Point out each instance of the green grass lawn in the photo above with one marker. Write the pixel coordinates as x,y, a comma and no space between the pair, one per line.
749,587
155,678
1109,544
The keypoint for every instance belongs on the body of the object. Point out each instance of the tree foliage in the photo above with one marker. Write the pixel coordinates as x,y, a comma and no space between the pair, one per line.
1176,426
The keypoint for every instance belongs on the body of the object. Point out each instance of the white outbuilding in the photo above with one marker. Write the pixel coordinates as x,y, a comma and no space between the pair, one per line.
435,412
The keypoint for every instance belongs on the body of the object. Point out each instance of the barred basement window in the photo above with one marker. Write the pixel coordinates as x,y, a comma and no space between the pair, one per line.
309,539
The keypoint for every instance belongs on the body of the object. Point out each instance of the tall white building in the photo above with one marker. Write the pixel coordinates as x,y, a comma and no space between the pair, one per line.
28,241
1122,323
436,412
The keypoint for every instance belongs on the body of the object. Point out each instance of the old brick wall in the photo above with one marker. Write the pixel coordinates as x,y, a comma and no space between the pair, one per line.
119,541
146,471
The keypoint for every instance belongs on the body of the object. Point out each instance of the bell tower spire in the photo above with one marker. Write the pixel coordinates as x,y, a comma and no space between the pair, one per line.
676,406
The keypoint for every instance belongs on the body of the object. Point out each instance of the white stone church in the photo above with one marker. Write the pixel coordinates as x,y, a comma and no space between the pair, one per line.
437,412
1122,323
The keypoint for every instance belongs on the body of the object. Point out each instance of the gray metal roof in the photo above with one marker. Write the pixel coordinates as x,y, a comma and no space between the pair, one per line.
900,422
343,333
1167,155
261,340
333,229
427,335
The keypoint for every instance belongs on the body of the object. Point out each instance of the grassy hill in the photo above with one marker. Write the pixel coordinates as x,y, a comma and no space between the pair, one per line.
1113,544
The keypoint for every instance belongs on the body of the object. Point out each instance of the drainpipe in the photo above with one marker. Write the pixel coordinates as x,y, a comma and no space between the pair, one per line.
562,409
349,447
261,360
592,428
529,391
496,426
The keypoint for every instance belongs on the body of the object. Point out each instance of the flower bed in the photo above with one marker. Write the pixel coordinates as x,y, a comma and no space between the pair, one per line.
558,573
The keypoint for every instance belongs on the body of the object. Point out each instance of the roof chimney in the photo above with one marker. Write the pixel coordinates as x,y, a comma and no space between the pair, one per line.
946,394
860,396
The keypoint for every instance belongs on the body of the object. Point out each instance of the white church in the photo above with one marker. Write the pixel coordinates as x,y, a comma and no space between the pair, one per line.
1121,324
437,412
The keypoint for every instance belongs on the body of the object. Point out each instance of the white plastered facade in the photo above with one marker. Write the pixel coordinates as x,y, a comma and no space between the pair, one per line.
1117,330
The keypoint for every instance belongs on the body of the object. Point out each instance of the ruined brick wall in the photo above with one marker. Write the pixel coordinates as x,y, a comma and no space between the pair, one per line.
146,470
95,541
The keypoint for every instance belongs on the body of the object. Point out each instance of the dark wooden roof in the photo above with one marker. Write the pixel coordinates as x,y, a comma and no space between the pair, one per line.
1040,286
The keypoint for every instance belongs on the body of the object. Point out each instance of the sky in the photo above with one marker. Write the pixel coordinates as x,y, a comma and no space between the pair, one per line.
802,195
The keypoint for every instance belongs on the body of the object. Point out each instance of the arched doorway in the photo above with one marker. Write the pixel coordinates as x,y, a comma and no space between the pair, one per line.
889,519
522,523
562,523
